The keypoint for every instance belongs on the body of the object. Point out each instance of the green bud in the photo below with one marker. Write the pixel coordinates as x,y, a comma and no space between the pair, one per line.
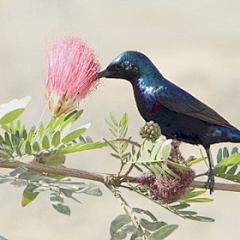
150,131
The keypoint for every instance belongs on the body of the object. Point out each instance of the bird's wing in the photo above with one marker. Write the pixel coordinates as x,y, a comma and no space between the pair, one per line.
180,101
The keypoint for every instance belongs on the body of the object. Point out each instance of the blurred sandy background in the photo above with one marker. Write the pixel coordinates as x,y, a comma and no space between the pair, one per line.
196,44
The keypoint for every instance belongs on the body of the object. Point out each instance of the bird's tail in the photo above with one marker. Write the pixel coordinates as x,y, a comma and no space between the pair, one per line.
223,134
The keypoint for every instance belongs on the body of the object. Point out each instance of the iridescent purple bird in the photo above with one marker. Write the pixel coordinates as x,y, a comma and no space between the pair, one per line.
179,115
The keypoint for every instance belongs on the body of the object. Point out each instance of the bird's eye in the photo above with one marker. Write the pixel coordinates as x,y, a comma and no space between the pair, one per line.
119,65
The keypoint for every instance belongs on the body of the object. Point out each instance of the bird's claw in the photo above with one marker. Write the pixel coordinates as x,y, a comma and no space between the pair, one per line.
210,181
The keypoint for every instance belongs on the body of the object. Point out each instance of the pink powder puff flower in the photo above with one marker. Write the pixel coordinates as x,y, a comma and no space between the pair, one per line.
72,74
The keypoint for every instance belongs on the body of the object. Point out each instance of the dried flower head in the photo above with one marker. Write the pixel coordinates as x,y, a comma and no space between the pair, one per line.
72,73
176,154
164,188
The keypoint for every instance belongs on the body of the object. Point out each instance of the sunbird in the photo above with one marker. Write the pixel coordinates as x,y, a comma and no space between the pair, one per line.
179,114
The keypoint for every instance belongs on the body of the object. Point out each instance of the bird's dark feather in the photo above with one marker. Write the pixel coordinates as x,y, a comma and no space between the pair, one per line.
179,101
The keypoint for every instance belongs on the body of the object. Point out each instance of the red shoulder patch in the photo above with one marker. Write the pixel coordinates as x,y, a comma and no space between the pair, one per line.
156,107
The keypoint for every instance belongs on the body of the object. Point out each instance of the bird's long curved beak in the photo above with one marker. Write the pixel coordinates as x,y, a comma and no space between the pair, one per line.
103,73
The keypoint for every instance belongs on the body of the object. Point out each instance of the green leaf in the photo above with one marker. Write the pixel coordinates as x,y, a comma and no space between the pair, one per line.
165,150
192,195
75,134
232,170
200,218
123,131
66,130
58,203
18,126
36,147
88,139
114,128
234,150
7,151
1,140
219,155
119,222
171,173
229,161
28,148
56,138
32,188
235,178
123,120
30,135
115,155
198,200
69,195
4,155
149,214
70,186
126,156
16,138
71,118
111,144
163,232
155,168
155,148
45,143
113,133
124,147
119,235
54,160
21,143
27,196
7,139
218,170
225,152
179,166
24,132
151,226
187,213
113,119
90,189
19,183
18,171
5,180
144,150
13,109
195,160
58,121
180,206
50,124
32,176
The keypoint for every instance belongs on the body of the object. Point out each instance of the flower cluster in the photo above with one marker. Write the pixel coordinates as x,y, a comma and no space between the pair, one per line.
164,188
72,73
150,131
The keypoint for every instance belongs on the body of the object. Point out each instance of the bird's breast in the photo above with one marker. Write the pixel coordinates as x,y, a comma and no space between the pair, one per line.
145,100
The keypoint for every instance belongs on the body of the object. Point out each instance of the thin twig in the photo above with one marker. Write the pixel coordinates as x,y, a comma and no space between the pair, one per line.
129,211
127,173
128,141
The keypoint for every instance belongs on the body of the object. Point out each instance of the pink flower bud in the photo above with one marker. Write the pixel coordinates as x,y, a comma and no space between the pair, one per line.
72,74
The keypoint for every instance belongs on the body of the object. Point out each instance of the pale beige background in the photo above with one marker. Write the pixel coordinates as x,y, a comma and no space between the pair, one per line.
196,44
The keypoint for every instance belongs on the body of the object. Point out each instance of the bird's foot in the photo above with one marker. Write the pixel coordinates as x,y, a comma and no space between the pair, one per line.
210,181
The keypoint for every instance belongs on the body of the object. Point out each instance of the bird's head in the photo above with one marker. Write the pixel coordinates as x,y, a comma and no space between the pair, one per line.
128,65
